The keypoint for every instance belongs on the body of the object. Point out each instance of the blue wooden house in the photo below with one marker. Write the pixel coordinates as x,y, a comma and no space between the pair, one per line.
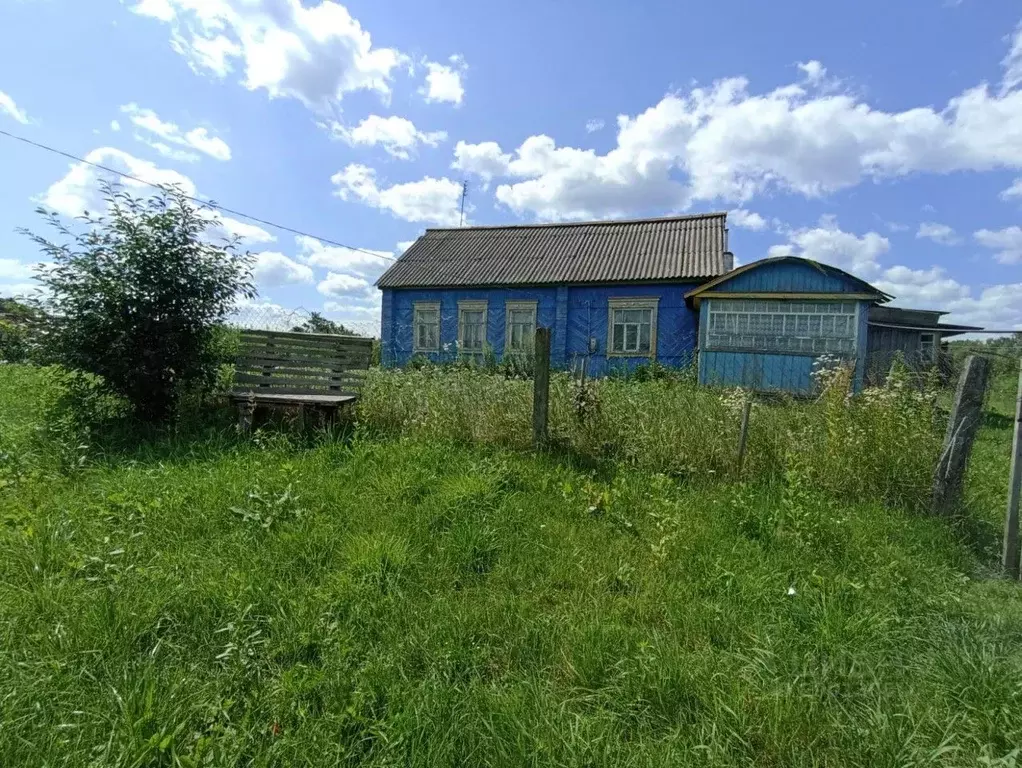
621,293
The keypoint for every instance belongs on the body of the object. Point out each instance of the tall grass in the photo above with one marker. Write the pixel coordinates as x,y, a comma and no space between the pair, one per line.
881,445
441,602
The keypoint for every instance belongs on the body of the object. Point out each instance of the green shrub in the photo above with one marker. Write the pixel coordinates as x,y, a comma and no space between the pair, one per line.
135,295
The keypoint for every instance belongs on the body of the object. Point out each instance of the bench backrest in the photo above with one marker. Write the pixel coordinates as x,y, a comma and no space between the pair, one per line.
289,363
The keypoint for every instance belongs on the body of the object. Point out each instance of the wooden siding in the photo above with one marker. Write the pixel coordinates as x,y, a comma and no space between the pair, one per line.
588,316
885,344
757,371
788,277
573,313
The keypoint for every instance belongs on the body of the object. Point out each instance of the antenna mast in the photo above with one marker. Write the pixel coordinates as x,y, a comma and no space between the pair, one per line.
464,194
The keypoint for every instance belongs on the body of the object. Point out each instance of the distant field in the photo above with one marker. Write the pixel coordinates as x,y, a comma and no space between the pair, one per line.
440,599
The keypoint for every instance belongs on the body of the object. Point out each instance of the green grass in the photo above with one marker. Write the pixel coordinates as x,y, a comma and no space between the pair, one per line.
391,601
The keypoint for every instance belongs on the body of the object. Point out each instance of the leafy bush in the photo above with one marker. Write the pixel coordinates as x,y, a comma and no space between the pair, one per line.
13,342
135,296
16,323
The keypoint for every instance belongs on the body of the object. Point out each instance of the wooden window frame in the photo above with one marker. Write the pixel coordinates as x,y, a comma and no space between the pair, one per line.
472,305
932,357
519,306
424,306
615,304
790,311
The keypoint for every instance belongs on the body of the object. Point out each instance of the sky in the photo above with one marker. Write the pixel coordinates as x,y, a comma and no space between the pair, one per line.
883,138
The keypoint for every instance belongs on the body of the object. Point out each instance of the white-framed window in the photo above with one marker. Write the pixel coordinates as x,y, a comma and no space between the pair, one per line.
783,325
519,326
927,347
631,327
426,326
471,327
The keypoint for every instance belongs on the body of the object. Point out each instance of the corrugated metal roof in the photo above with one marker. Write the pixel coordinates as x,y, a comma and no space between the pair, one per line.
675,248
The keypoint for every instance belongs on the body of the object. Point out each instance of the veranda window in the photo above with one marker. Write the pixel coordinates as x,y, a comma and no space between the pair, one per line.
798,327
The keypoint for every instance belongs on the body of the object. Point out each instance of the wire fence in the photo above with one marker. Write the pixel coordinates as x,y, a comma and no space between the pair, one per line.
273,317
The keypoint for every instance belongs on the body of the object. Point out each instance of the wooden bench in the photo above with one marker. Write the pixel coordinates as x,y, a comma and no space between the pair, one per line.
288,369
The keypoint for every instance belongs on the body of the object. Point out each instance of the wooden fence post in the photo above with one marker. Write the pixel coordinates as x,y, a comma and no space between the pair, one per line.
966,414
541,389
1010,558
744,434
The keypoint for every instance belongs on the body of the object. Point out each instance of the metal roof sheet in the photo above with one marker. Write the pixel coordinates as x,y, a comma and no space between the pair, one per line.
673,248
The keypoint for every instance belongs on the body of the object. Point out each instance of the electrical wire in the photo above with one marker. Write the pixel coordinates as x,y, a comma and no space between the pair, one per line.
217,206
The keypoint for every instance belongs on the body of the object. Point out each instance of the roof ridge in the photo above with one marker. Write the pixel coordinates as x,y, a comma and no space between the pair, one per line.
589,223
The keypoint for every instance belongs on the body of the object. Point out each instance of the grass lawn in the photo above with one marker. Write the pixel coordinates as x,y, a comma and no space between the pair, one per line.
398,602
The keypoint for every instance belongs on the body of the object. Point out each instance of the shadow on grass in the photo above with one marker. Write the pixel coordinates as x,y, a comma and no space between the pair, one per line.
211,431
981,536
993,420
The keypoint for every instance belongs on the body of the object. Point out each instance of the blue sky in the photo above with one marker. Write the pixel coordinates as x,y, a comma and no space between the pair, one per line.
885,138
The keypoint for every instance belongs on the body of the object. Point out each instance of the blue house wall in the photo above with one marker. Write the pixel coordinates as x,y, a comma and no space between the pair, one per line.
575,314
578,317
775,371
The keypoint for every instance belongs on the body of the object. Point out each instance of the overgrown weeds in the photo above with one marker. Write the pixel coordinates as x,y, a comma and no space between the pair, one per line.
880,445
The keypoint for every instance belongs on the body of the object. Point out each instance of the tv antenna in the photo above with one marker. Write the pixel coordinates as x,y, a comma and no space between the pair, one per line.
464,194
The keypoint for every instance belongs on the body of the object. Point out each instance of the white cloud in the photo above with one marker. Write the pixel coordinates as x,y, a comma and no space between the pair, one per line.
485,159
12,269
428,200
568,183
79,190
941,234
336,284
724,142
1012,63
314,54
1015,190
595,124
443,81
397,135
115,126
198,139
403,246
273,268
829,244
996,306
335,258
746,219
921,288
249,234
9,108
169,152
814,71
1007,242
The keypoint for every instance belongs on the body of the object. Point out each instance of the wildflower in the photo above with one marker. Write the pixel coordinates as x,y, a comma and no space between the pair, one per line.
791,591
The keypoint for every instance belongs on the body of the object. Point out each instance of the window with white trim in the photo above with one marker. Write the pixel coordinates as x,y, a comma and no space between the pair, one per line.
631,327
471,327
927,347
519,326
786,326
426,326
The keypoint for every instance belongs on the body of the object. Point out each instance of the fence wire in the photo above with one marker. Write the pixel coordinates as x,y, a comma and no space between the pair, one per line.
273,317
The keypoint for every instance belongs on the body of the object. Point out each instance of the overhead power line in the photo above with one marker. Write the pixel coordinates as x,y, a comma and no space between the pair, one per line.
217,206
